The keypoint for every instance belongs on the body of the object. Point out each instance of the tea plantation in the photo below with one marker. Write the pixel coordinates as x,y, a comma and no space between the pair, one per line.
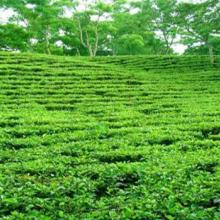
109,138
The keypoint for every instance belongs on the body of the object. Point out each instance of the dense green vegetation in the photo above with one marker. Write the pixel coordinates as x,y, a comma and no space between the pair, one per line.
111,27
109,138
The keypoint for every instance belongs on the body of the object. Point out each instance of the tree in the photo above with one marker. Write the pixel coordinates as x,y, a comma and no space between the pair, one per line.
41,19
130,44
13,37
119,27
134,22
200,23
164,14
91,27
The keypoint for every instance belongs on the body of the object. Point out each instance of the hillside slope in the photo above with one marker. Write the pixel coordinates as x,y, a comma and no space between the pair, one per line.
158,63
96,139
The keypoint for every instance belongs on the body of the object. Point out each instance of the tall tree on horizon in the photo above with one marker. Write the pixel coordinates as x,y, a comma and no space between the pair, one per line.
117,28
92,26
40,18
199,24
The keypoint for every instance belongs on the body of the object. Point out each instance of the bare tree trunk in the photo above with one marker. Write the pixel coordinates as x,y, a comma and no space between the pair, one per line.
81,34
85,42
89,46
211,54
166,41
47,46
90,51
96,41
78,52
47,49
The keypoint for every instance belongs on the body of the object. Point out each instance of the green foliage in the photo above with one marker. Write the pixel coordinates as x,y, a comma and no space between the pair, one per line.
199,23
88,32
116,28
13,37
164,16
130,44
129,137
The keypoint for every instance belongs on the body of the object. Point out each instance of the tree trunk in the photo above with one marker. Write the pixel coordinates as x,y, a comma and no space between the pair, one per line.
96,41
211,54
47,46
78,52
90,50
47,49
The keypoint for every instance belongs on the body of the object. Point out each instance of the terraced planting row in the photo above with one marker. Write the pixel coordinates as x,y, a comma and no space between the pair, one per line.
83,139
164,63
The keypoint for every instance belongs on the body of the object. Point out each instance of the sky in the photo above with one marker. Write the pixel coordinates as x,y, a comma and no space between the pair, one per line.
5,14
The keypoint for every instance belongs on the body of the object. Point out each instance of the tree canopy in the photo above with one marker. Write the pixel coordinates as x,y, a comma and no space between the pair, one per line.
119,27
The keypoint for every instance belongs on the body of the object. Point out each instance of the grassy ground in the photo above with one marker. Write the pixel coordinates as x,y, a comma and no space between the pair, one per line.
109,138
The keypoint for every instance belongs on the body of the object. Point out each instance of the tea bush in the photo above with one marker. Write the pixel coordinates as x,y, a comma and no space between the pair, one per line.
109,138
